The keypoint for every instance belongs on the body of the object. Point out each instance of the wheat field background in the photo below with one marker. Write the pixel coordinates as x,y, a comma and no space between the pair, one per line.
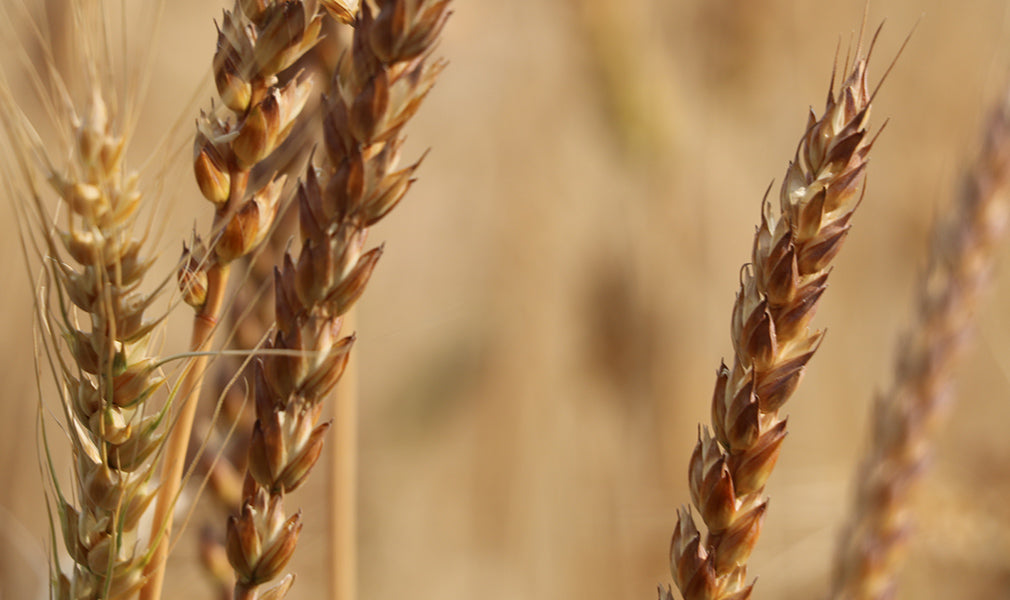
540,341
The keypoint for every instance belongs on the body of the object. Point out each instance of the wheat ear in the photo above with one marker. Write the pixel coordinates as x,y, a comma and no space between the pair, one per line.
223,427
96,340
257,40
772,343
379,86
905,419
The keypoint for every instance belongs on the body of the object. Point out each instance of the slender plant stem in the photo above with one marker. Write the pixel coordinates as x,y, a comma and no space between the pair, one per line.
178,440
343,490
246,593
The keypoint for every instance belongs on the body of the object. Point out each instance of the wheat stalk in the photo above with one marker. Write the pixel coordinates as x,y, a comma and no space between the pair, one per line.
778,294
905,418
222,430
379,86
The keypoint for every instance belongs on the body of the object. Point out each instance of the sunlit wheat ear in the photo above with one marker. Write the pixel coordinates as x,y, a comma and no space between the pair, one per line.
82,203
779,291
905,418
379,85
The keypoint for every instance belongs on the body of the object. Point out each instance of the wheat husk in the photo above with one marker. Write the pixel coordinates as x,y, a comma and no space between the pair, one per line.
257,40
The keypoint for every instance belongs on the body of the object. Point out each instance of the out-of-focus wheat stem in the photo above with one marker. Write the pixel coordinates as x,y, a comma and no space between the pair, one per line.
772,343
905,418
343,483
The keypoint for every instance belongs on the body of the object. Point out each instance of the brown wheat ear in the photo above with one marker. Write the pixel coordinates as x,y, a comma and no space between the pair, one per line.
379,85
225,422
257,41
905,418
772,343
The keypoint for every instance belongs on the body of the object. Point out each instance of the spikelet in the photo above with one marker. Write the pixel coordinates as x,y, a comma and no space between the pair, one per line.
772,343
256,41
378,86
222,428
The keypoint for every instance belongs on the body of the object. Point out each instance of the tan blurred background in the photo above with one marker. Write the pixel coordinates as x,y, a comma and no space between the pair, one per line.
540,339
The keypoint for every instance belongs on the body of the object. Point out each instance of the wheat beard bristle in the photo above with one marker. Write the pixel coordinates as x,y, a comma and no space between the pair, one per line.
772,343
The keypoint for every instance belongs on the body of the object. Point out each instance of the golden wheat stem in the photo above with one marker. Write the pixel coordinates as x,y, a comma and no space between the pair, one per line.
343,481
175,452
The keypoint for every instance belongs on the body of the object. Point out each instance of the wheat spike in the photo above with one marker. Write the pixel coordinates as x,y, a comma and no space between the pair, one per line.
379,85
772,343
93,317
257,40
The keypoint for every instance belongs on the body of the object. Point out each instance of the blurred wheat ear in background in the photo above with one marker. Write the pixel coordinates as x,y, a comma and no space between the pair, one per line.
905,419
